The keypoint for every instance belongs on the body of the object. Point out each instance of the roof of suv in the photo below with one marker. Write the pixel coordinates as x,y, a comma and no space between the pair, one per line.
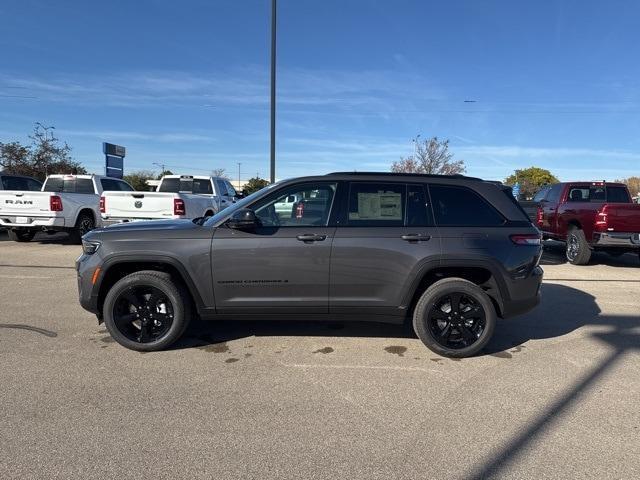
400,174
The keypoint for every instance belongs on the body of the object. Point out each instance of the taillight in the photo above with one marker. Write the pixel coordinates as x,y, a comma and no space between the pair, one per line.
539,217
526,239
102,205
300,210
178,207
55,203
601,218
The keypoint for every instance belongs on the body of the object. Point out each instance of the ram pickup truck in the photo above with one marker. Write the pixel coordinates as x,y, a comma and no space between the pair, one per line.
589,216
66,203
450,253
177,196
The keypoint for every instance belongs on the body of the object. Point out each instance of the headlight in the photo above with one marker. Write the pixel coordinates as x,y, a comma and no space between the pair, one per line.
89,248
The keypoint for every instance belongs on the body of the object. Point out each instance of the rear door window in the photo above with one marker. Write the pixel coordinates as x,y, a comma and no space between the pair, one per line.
222,188
554,193
455,206
541,194
376,204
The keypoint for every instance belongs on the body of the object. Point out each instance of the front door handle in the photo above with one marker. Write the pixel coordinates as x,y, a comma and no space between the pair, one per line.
310,237
415,237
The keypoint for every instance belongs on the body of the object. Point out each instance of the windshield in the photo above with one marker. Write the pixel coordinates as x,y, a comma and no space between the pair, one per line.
221,215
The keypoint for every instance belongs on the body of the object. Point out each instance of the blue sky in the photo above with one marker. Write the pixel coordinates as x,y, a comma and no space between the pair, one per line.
186,83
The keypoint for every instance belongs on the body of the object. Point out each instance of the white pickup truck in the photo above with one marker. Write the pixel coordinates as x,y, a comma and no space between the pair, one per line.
65,203
177,196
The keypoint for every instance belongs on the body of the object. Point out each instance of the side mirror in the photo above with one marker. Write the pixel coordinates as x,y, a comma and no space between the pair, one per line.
243,219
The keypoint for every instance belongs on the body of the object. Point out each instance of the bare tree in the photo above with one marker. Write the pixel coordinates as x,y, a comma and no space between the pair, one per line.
429,156
219,172
45,156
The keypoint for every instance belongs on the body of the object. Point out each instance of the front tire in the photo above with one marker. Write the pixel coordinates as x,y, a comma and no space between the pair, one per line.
454,318
578,251
21,235
147,311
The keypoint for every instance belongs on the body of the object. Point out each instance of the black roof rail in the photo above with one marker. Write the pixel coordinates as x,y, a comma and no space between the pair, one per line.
400,174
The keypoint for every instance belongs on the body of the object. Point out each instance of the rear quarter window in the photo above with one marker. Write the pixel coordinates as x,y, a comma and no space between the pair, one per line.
455,206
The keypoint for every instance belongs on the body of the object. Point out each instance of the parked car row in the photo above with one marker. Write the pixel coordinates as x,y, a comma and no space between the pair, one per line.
177,196
79,203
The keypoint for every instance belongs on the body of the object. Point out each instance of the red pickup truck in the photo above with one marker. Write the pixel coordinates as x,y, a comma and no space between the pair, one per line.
589,216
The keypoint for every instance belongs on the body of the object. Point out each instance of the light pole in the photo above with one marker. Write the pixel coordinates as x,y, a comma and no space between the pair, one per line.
161,165
239,184
273,91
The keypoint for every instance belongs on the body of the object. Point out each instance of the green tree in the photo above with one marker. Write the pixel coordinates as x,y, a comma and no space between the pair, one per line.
45,156
530,180
138,179
431,156
254,184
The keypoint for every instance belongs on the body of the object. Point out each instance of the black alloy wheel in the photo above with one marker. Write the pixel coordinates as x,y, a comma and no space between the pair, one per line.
147,310
143,314
456,320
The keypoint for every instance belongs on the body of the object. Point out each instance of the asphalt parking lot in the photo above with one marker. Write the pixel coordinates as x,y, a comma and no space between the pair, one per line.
555,395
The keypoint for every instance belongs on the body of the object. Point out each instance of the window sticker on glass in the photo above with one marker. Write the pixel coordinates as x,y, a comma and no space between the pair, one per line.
378,206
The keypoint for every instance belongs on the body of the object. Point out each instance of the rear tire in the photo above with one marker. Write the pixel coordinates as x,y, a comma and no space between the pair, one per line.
21,235
147,311
578,251
454,318
84,224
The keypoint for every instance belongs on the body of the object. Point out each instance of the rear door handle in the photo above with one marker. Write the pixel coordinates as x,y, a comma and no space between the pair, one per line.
415,237
310,237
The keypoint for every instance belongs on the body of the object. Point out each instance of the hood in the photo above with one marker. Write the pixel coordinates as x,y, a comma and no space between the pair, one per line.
146,225
148,229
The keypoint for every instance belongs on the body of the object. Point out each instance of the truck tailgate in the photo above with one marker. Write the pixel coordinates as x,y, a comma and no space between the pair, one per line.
19,203
623,217
142,205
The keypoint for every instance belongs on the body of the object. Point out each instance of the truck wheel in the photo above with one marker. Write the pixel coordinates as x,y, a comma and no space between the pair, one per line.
84,224
146,311
454,318
21,235
578,251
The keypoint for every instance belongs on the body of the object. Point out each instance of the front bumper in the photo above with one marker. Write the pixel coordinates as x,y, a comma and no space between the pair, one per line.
17,221
85,267
616,239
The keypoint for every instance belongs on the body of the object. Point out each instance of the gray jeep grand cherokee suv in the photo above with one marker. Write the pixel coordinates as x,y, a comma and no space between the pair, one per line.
452,253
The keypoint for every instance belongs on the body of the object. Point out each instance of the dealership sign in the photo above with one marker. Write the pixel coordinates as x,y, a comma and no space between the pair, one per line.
114,160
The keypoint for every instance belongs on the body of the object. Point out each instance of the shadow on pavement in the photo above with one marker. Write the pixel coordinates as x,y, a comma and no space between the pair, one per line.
59,238
562,310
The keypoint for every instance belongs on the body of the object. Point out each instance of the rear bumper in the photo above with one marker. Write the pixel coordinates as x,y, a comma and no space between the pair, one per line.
616,239
11,221
525,294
